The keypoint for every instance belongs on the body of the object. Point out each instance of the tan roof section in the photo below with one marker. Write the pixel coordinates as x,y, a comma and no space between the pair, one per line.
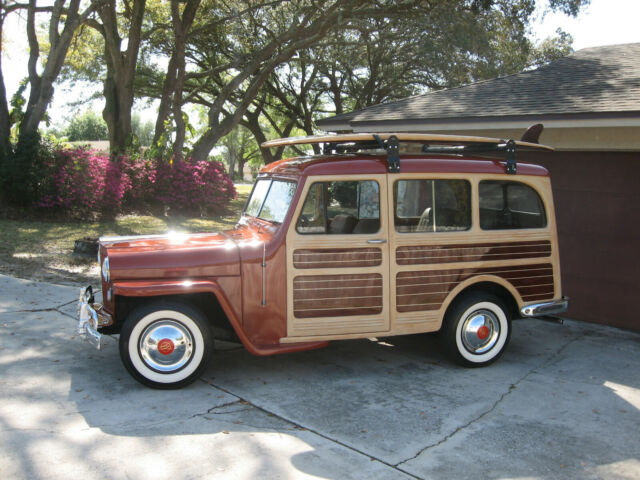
590,82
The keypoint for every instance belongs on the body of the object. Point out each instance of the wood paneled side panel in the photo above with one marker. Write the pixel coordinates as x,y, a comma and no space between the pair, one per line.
337,258
427,290
317,296
429,254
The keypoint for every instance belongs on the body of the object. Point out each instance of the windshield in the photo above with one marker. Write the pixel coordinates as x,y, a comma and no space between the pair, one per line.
270,199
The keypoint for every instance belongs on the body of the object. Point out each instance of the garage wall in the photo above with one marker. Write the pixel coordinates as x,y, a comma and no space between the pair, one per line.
597,200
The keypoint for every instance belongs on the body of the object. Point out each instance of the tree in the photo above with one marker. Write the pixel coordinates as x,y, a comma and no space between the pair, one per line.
171,100
41,85
141,131
121,67
88,127
61,14
20,164
383,58
290,59
241,147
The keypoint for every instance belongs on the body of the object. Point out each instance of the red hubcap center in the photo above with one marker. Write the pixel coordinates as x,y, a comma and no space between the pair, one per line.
166,346
483,332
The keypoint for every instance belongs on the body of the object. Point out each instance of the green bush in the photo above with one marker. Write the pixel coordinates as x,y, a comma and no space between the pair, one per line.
21,177
87,127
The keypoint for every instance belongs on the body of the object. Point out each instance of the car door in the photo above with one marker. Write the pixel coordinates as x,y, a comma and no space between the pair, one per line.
338,259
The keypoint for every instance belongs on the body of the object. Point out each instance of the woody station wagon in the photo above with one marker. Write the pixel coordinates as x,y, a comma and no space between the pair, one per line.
359,241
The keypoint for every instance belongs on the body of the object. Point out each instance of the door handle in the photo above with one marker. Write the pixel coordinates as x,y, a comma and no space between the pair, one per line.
377,240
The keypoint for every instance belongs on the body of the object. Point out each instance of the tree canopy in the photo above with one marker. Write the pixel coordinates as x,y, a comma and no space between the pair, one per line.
268,66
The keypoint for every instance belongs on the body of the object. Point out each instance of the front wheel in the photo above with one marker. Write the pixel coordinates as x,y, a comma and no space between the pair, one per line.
476,330
165,345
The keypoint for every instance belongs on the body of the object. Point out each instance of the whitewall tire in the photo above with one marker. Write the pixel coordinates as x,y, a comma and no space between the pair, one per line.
477,329
165,345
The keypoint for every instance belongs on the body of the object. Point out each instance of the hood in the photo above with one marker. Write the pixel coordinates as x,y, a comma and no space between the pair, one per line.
171,256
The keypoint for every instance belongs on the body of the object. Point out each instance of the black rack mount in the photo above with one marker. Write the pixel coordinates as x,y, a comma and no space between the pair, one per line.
392,147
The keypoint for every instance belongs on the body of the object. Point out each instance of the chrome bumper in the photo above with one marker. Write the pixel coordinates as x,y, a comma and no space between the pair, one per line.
545,308
91,317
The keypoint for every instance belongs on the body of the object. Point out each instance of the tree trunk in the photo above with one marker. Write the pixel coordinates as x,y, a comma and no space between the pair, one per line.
41,86
121,69
5,122
171,99
241,164
117,111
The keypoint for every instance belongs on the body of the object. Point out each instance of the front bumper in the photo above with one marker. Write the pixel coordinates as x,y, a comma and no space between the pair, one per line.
545,308
91,316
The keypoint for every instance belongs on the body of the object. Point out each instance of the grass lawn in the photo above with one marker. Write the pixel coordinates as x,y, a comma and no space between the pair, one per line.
42,250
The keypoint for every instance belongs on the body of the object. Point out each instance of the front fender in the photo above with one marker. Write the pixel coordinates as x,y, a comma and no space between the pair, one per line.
184,287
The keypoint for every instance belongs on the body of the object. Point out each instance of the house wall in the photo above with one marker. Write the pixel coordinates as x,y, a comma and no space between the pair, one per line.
597,202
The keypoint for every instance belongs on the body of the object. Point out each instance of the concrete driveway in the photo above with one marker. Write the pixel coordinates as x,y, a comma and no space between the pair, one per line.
563,402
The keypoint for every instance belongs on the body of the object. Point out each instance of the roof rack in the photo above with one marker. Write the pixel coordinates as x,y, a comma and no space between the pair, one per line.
431,143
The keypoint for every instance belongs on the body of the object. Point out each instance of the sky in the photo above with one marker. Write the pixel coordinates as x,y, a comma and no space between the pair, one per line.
603,22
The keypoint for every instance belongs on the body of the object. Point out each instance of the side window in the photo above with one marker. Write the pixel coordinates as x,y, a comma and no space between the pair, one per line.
341,208
432,205
508,205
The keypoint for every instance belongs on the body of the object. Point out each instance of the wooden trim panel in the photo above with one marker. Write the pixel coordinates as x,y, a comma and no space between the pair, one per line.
317,296
337,258
429,254
427,290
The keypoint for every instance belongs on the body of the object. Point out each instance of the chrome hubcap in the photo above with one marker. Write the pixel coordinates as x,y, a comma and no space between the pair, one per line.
166,346
480,331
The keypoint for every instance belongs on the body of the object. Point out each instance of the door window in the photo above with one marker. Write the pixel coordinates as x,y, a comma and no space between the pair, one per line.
341,208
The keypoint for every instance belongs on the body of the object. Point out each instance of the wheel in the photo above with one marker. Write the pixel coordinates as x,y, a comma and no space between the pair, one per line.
165,345
476,330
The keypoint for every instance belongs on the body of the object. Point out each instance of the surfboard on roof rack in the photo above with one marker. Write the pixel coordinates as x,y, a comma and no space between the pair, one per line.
431,143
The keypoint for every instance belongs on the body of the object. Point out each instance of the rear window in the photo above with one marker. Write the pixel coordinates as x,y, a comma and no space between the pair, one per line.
510,205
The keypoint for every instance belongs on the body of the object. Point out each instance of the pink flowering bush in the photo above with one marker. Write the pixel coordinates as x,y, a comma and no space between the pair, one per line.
196,187
80,182
75,181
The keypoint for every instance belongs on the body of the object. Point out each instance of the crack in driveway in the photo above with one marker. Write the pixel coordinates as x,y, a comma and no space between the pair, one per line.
300,427
512,387
211,410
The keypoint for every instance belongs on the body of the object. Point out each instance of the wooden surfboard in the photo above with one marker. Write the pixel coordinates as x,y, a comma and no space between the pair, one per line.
425,138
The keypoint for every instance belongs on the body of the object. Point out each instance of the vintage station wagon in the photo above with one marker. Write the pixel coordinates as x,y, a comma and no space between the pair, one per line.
379,235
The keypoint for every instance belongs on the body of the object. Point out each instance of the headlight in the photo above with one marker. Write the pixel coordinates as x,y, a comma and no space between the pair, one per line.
105,270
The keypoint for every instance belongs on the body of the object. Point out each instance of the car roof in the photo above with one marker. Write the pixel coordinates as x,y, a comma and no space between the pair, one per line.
352,164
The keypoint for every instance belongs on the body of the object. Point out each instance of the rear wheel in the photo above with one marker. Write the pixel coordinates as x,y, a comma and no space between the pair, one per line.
477,329
165,345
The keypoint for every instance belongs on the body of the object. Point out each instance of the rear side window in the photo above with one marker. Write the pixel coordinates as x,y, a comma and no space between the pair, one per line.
432,205
509,205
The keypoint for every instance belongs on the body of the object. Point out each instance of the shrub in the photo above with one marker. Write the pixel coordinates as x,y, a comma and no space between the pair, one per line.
21,170
75,182
87,127
195,187
80,182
